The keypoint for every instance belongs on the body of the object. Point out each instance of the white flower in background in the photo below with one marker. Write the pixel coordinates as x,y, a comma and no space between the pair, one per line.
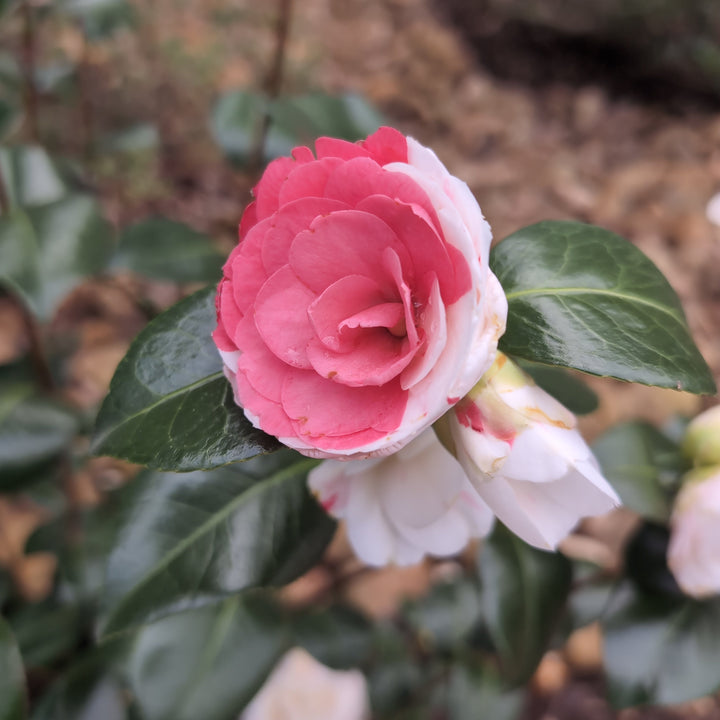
694,549
301,688
524,457
713,210
399,508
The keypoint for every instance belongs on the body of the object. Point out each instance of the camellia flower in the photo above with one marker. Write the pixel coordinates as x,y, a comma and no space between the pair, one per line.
399,508
301,688
523,455
694,549
512,451
359,305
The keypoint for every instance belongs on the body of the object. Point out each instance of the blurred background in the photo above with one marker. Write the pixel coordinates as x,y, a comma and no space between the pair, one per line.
132,132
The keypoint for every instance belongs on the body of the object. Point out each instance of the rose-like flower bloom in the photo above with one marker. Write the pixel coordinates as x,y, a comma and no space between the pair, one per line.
358,306
524,457
694,549
301,688
399,508
702,438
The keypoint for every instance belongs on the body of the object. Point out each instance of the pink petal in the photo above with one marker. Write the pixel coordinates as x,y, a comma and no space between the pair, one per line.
345,298
281,317
290,220
303,154
376,359
428,251
432,322
264,371
248,219
267,191
387,145
357,179
308,180
332,147
391,262
270,415
324,408
347,242
229,316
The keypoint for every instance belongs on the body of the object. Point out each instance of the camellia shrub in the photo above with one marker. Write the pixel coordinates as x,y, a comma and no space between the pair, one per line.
367,358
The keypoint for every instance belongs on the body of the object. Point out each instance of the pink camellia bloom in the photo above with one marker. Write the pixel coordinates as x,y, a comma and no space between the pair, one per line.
524,457
694,549
301,688
398,509
359,305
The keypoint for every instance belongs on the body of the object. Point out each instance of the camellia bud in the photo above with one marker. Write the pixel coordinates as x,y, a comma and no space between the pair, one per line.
694,550
702,438
522,454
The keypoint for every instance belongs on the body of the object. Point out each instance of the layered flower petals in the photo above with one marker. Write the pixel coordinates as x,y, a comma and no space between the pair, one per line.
524,457
348,312
400,508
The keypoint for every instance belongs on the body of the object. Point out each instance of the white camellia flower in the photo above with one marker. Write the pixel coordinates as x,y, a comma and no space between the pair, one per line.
401,507
694,549
301,688
524,457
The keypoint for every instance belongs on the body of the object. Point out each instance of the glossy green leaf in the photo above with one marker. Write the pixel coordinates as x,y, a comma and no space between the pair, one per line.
585,298
12,677
208,662
524,591
29,176
338,637
168,250
185,539
565,387
446,616
643,465
33,433
476,690
170,406
660,653
48,250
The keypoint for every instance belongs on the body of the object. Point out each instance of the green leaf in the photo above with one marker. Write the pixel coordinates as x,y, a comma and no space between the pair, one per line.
186,539
524,591
304,118
295,120
444,619
572,392
33,433
338,637
168,250
9,118
476,687
170,406
660,653
582,297
643,465
46,631
46,251
208,662
88,690
29,176
12,677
